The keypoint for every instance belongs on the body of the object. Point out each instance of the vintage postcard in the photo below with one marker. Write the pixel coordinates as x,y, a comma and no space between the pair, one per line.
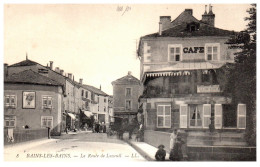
129,82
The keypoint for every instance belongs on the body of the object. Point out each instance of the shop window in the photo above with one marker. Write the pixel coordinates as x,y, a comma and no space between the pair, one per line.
164,116
47,102
10,101
128,104
174,53
9,121
212,52
46,121
195,115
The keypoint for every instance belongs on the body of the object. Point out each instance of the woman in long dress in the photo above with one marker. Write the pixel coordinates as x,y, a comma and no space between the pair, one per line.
173,138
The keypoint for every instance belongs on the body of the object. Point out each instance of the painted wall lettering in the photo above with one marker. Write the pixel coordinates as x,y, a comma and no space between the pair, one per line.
193,50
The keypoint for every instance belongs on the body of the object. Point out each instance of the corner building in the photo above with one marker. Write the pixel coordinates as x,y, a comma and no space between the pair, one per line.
181,74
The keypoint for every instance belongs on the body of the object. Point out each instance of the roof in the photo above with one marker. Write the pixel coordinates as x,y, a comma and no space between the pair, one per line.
30,77
128,79
182,31
26,62
94,90
184,17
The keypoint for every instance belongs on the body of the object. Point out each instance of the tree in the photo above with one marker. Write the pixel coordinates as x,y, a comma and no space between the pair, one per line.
240,81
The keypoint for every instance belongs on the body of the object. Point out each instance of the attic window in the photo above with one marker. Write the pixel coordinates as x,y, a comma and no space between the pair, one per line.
193,27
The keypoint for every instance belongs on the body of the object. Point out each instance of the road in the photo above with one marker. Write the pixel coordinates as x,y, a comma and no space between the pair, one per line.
85,146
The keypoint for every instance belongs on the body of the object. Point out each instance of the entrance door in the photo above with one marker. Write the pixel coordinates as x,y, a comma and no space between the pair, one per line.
229,116
195,116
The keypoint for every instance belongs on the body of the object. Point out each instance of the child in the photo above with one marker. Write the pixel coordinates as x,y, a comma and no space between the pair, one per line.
161,153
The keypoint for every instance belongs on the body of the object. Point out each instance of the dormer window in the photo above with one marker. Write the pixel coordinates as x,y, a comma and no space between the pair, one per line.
174,53
193,26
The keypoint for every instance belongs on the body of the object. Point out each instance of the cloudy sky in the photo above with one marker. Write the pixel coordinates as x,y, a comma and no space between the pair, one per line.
95,42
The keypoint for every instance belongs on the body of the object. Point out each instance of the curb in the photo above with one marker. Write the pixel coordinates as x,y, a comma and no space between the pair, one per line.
140,151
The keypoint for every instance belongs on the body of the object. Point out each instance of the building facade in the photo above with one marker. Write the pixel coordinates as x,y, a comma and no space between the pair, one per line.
126,91
181,74
32,101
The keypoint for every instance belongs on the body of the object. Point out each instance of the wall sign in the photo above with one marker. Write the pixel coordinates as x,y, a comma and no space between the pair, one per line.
29,99
208,89
193,50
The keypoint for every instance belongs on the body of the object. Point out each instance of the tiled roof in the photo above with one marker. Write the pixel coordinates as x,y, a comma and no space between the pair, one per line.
26,62
31,77
128,79
94,90
182,31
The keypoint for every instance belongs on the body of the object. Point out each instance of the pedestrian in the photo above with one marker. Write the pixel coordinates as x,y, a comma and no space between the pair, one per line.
173,138
160,154
177,153
66,129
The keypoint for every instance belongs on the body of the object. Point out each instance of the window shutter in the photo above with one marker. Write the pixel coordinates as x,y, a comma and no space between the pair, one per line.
183,115
206,115
241,116
218,116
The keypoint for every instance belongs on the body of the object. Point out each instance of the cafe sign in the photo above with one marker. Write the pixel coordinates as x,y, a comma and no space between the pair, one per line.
208,89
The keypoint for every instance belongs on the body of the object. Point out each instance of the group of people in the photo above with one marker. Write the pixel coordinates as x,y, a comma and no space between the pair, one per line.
177,152
99,128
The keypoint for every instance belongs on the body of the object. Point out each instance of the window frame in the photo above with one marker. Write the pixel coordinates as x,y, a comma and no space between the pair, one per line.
13,118
126,91
212,45
164,126
9,105
42,117
130,104
48,106
169,52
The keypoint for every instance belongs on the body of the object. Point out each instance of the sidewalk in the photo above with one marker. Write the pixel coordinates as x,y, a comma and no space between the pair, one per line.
146,150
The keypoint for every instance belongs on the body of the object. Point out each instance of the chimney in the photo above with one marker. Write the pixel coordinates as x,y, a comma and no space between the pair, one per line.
160,28
100,87
51,65
80,81
73,77
61,72
189,11
208,18
57,69
129,73
166,22
70,75
5,69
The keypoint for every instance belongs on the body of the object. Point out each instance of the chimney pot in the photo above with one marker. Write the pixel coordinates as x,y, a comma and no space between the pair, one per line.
61,72
80,81
57,69
51,65
129,73
70,75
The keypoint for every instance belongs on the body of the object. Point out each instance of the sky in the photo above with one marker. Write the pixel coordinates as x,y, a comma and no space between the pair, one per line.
93,41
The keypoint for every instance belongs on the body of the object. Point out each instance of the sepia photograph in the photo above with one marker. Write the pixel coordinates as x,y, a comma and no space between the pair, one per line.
111,82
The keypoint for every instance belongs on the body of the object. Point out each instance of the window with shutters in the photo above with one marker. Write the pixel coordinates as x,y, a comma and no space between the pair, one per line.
46,121
164,116
183,115
46,101
195,116
9,121
206,115
10,101
174,53
212,51
241,116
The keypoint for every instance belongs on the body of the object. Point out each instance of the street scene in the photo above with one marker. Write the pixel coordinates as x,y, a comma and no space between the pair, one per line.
129,82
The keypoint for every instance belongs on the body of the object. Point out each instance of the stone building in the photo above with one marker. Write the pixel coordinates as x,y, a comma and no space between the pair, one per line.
180,72
32,100
126,91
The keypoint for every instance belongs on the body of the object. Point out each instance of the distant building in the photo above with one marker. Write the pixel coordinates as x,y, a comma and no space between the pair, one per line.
126,91
32,100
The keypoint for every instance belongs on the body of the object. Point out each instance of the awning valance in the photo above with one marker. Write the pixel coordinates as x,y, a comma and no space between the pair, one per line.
88,113
72,116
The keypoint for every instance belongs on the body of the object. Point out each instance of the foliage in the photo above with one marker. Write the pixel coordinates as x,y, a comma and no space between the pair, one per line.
240,81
